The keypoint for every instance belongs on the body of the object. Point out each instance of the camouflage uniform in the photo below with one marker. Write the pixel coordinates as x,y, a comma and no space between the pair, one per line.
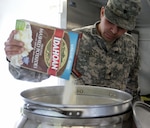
116,66
26,75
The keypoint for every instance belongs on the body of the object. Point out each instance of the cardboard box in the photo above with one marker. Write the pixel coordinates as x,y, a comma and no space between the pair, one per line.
48,49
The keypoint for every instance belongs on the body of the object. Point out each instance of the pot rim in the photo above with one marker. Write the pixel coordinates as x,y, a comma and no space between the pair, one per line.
95,110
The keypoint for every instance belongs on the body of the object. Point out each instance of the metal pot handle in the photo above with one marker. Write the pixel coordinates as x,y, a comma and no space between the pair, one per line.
72,113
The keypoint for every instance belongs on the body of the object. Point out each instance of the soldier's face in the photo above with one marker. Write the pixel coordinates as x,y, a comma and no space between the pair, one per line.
109,31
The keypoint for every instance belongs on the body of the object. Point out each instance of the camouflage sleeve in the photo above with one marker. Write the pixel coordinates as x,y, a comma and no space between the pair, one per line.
27,75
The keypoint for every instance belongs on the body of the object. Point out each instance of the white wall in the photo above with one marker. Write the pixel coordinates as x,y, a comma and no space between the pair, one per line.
44,11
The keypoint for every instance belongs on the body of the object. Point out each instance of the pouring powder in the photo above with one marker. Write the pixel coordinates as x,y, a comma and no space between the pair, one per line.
69,94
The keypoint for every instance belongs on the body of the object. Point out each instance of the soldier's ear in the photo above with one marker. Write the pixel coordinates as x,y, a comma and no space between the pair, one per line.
102,11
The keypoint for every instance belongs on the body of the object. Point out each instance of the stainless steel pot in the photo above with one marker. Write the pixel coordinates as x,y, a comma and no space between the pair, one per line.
141,112
95,106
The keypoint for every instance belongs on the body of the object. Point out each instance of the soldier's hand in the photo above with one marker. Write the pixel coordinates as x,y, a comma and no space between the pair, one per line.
12,46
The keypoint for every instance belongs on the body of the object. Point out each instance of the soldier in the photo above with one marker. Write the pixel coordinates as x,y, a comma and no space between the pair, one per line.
108,55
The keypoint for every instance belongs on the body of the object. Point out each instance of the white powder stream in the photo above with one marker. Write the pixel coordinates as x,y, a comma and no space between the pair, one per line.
69,94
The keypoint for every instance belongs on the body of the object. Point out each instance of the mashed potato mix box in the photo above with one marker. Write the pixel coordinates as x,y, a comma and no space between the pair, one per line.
48,49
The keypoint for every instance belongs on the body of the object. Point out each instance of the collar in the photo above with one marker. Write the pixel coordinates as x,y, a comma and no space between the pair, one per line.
94,30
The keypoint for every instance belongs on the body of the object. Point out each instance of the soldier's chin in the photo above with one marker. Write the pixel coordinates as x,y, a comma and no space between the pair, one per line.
109,39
